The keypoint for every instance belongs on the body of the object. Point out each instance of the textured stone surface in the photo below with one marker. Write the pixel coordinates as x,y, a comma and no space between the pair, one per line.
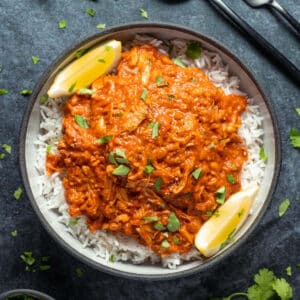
29,27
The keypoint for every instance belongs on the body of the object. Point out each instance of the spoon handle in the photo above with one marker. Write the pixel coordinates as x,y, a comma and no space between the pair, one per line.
286,14
268,49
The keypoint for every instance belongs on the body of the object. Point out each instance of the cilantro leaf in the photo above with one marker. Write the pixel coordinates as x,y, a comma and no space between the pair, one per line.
18,193
100,26
283,207
295,138
297,111
177,61
6,148
193,50
262,154
35,59
90,12
283,289
143,13
81,121
62,24
3,91
26,92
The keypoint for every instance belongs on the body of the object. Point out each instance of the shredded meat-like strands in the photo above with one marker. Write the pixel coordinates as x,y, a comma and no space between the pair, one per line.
196,128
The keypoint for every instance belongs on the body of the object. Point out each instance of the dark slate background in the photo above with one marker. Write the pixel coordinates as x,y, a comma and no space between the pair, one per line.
29,27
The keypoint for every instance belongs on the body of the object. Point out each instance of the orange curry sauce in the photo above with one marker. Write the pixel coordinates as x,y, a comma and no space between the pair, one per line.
169,118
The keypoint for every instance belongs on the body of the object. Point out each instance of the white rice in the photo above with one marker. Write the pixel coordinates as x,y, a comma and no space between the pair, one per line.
105,244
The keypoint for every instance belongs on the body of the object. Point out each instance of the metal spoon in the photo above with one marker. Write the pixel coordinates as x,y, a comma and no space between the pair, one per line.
278,7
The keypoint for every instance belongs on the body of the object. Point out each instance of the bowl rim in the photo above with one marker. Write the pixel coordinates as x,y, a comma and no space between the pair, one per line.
29,292
210,262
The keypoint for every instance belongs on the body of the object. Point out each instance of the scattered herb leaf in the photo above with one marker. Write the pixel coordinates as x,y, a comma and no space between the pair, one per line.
6,148
121,170
104,139
90,12
73,221
149,169
230,178
176,240
197,173
48,149
262,154
71,88
158,183
14,233
193,50
62,24
102,60
297,111
289,271
220,195
80,52
86,92
35,59
228,240
173,222
26,92
155,129
101,26
79,272
108,48
241,213
143,13
165,244
27,258
160,82
81,121
177,61
295,138
283,207
18,193
150,218
3,91
2,155
283,289
159,226
144,94
111,258
43,99
45,267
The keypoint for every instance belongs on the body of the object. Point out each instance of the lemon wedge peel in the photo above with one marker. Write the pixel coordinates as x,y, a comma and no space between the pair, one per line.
220,228
81,72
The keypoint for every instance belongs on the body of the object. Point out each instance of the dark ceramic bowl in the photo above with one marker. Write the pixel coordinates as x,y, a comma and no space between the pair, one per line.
30,129
36,295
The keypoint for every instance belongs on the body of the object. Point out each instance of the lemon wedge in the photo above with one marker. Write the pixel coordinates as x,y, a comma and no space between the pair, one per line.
219,229
81,72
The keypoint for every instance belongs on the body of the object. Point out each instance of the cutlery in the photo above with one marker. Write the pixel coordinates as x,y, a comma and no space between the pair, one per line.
268,49
273,3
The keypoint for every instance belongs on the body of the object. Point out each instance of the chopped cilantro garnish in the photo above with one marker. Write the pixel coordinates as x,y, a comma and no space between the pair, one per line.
165,234
26,92
230,178
62,24
80,52
35,59
18,193
111,258
100,26
211,146
197,173
228,240
45,267
71,88
144,94
220,195
283,207
73,221
193,50
158,183
295,138
297,111
155,129
104,139
43,99
171,97
3,91
143,13
188,195
159,226
81,121
48,149
2,155
165,244
86,92
177,61
176,240
102,60
14,233
6,148
288,271
241,213
90,12
160,81
121,170
79,272
173,222
150,218
149,169
262,154
28,258
108,48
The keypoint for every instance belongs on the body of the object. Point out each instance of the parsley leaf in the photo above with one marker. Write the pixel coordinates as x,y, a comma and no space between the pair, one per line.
283,289
62,24
177,61
90,12
193,50
81,121
283,207
35,59
6,148
262,154
3,91
295,138
143,13
18,193
100,26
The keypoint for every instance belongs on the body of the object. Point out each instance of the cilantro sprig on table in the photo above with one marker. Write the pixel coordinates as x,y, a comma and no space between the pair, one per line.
267,286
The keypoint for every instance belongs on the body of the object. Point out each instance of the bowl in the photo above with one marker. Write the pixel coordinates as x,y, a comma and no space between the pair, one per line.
16,294
28,152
